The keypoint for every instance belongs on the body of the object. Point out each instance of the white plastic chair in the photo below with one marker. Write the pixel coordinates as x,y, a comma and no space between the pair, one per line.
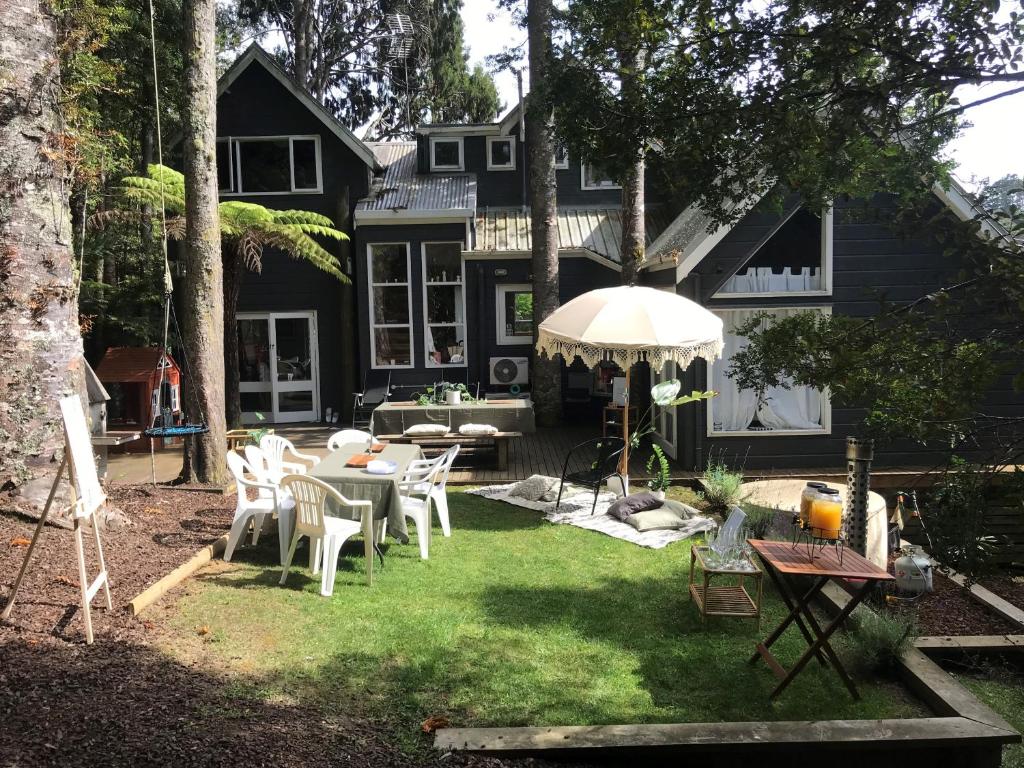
274,448
348,436
420,481
268,501
326,534
437,492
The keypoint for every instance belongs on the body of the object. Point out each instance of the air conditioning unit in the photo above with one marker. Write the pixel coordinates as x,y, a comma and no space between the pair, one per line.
510,370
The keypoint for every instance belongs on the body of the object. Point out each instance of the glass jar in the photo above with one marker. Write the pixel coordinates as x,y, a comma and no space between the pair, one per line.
809,492
826,514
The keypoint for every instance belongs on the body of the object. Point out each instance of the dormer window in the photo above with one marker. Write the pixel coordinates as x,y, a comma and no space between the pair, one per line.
592,177
446,154
501,153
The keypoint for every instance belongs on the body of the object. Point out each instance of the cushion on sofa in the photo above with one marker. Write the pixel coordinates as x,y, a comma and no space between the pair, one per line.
630,505
655,520
419,430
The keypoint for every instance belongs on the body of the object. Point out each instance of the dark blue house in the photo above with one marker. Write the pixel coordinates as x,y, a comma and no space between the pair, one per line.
439,259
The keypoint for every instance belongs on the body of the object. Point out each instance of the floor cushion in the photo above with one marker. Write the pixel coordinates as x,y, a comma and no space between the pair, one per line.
534,488
655,520
630,505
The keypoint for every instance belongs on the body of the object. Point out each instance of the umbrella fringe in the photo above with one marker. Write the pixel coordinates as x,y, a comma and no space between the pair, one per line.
656,356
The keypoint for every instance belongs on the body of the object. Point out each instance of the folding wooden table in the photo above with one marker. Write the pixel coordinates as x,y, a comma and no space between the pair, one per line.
785,565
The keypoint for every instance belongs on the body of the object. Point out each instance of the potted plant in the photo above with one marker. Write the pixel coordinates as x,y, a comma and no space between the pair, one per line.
658,468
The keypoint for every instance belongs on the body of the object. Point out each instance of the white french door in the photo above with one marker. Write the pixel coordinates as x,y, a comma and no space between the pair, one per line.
278,367
665,428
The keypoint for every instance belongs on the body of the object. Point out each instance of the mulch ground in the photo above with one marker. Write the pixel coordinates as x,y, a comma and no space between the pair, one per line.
1008,587
949,610
122,702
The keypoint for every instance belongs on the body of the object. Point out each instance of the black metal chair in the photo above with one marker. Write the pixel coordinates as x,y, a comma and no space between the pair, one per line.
597,459
376,390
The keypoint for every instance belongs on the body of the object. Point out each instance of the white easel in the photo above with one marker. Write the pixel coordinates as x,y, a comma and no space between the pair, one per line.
86,496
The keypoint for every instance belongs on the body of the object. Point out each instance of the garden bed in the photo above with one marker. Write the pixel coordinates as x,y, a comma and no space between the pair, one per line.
951,610
1010,587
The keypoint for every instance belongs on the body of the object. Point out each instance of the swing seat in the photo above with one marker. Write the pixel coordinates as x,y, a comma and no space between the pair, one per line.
177,430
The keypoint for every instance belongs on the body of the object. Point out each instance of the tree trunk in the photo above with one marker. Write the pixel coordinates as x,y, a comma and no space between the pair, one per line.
40,342
203,289
547,371
634,237
631,72
302,22
232,285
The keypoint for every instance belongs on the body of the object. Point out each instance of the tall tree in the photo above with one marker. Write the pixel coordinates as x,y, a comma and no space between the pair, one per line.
540,140
203,289
347,55
40,342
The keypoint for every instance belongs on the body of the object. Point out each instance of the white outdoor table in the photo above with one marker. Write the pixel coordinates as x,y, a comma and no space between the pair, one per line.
784,495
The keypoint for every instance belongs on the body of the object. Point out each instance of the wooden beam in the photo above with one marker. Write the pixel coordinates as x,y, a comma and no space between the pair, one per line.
151,594
991,600
693,737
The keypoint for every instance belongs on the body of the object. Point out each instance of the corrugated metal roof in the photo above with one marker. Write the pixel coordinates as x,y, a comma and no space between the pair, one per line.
127,364
402,189
594,229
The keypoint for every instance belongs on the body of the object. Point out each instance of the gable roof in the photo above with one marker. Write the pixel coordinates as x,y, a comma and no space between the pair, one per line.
254,53
401,193
131,364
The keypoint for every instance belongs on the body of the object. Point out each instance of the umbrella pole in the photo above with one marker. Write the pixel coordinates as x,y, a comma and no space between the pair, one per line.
624,466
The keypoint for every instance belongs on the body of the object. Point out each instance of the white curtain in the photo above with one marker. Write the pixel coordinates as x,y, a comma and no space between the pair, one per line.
764,280
734,409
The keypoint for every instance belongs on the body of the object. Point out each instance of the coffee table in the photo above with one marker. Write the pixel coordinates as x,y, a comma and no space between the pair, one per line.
725,599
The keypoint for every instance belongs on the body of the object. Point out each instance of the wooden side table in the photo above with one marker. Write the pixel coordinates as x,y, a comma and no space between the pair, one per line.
612,414
725,599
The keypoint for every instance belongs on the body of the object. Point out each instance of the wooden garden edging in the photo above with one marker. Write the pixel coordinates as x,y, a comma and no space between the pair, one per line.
964,733
989,599
154,592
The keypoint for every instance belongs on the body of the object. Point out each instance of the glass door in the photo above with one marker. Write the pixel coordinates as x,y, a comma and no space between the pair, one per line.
665,433
278,370
295,383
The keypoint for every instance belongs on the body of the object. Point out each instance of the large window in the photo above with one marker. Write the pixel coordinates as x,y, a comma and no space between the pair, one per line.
446,154
269,165
781,411
515,314
501,153
390,305
592,177
796,260
444,305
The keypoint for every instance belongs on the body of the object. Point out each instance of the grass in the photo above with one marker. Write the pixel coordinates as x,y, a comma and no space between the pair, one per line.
512,621
1002,690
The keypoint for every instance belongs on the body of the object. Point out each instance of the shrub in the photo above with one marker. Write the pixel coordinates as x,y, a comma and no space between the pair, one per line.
658,468
721,486
880,639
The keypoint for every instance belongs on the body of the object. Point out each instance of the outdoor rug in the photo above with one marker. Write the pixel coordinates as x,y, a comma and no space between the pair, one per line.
575,510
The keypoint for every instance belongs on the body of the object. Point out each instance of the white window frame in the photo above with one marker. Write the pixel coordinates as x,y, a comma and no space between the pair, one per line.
511,140
453,283
434,140
499,300
825,266
370,304
229,140
235,164
593,187
826,400
564,165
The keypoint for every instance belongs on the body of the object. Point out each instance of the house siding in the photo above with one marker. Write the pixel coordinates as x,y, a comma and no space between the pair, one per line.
870,260
283,284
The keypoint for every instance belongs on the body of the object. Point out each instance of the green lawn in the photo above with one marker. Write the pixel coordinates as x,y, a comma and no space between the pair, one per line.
512,621
1003,690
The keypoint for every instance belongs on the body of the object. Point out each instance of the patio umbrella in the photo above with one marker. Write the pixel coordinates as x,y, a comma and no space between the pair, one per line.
627,325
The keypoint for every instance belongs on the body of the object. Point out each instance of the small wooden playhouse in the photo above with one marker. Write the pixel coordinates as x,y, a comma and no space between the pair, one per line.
132,376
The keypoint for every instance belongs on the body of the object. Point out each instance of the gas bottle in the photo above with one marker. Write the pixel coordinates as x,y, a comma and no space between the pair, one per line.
913,571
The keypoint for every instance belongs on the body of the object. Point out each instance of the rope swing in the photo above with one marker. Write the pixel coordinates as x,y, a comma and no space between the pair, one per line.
163,425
